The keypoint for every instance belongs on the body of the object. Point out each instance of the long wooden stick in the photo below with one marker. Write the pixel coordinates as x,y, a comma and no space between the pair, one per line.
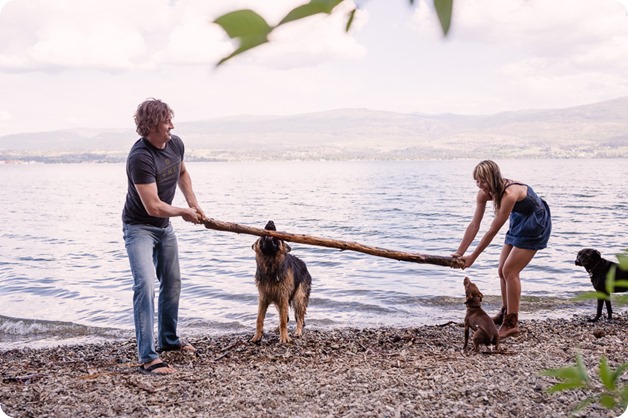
342,245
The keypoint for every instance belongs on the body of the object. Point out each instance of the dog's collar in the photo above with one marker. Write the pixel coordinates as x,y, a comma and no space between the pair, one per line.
594,267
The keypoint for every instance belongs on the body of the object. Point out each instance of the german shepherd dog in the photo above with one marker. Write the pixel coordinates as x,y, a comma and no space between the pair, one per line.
281,279
598,269
484,329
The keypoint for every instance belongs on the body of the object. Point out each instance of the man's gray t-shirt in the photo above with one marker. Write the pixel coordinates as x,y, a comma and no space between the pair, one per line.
147,164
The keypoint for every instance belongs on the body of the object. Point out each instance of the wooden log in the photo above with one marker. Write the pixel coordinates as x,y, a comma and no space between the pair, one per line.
331,243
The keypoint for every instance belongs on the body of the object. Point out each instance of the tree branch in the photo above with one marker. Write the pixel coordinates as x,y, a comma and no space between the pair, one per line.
330,243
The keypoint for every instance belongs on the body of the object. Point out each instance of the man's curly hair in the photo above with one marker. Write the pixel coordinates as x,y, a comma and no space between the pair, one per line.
150,114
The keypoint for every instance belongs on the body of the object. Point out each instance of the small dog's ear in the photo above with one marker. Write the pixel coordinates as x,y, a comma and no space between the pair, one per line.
288,248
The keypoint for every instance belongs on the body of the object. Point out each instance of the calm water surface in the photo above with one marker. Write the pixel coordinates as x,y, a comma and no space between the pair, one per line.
64,273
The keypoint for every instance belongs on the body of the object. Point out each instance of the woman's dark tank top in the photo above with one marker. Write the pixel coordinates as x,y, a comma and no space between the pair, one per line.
529,203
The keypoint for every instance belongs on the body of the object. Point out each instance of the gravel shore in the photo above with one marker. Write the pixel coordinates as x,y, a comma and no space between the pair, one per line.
380,372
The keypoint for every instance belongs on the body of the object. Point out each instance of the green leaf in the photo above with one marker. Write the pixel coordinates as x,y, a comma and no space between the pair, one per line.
610,280
592,295
606,374
572,377
622,259
312,8
245,26
582,369
559,387
621,283
350,20
620,370
608,401
243,23
565,373
443,10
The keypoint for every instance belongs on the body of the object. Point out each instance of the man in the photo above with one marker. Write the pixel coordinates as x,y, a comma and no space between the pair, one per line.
154,169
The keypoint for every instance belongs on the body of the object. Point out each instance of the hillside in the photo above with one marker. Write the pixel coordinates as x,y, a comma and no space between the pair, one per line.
595,130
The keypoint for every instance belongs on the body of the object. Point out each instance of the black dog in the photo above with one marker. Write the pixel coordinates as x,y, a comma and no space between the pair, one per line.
281,279
598,269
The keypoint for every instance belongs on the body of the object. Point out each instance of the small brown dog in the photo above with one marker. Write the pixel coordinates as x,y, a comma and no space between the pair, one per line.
281,279
484,329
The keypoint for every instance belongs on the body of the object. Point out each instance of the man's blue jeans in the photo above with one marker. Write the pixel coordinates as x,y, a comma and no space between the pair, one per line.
154,255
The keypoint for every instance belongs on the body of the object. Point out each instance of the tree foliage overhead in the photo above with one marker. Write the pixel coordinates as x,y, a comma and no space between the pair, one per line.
249,30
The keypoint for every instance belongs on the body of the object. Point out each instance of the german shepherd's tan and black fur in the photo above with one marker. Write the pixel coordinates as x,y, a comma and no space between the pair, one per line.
281,279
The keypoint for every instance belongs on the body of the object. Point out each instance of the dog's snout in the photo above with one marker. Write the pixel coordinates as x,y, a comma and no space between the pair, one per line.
269,245
583,257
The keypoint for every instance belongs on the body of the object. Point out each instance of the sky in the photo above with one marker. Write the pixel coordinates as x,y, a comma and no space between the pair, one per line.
89,63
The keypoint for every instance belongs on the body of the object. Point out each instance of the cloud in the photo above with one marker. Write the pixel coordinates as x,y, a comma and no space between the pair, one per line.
544,48
2,3
41,35
542,27
122,35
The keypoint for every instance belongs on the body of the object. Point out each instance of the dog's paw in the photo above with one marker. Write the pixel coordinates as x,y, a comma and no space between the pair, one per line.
593,319
257,338
284,339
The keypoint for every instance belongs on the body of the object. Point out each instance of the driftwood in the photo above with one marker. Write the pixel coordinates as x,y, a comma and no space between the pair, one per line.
330,243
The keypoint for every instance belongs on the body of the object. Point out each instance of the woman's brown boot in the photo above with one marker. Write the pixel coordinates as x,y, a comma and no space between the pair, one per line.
510,327
499,318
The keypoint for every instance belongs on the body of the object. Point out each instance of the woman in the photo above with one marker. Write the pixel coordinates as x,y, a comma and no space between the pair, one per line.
530,227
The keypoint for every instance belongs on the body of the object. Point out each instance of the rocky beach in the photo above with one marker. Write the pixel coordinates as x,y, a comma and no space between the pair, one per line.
382,372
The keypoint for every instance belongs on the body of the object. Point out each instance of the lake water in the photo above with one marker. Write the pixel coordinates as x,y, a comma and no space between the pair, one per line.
64,273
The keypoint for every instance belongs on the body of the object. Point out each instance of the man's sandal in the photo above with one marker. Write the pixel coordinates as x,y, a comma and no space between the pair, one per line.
150,370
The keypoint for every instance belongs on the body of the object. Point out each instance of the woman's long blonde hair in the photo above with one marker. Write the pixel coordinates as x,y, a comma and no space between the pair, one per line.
488,171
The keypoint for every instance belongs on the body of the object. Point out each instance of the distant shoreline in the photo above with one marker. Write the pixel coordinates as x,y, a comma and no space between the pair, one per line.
595,130
222,158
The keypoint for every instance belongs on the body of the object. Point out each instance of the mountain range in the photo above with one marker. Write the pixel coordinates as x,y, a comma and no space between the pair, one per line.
598,130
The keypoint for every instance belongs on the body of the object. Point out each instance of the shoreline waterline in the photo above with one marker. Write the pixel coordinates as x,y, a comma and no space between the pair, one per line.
17,333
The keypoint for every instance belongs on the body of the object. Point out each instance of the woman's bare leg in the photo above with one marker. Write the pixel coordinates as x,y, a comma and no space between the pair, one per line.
506,249
515,261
